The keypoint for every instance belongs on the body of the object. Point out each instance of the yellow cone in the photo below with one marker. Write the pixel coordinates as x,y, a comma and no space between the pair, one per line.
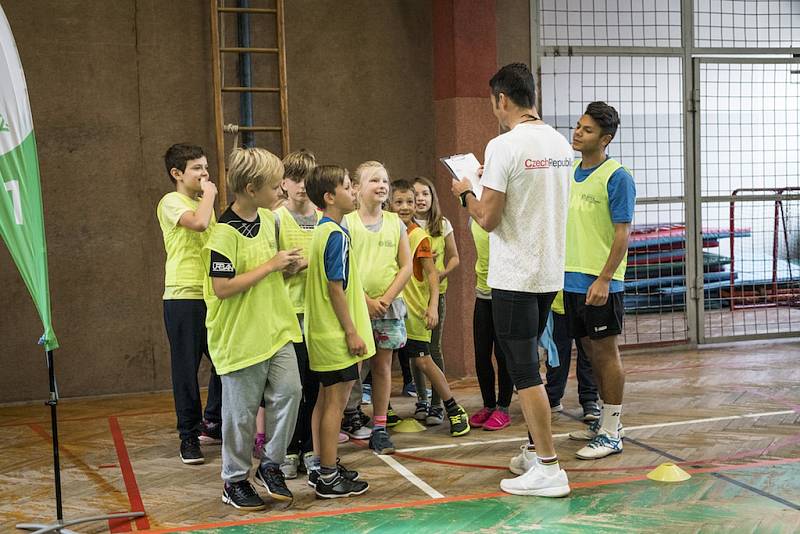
668,472
409,425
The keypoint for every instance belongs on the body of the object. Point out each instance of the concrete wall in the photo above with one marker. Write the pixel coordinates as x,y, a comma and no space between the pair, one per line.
112,85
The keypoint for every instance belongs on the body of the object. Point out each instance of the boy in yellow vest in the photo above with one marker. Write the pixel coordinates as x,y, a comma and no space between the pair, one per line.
251,328
422,299
186,217
381,247
337,326
601,205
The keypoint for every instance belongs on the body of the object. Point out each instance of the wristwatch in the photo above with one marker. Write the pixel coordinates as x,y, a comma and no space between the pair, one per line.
463,196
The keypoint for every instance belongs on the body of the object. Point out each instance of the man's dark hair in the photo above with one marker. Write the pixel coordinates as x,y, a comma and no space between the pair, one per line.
605,116
177,155
324,179
516,82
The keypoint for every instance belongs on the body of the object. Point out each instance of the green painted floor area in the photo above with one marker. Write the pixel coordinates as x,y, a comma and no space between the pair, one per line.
702,504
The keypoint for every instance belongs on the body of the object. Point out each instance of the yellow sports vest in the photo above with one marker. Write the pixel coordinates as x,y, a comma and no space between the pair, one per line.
249,327
590,232
183,272
290,237
558,303
376,252
416,295
325,338
481,238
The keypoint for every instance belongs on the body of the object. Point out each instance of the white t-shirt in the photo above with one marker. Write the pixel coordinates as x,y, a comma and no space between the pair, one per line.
531,164
447,227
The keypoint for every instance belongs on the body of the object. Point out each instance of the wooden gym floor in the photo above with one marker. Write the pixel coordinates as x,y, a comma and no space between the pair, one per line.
729,416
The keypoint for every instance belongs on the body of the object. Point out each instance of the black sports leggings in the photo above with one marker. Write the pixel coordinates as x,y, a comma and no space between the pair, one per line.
484,338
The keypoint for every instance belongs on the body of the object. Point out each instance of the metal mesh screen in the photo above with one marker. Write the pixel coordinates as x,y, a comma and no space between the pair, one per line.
610,22
750,163
647,92
747,23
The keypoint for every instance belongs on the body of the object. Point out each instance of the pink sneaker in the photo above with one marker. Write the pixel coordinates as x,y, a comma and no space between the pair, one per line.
343,438
479,418
498,421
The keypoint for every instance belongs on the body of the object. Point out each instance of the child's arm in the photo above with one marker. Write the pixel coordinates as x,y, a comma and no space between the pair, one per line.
200,219
355,344
451,258
228,287
432,313
403,275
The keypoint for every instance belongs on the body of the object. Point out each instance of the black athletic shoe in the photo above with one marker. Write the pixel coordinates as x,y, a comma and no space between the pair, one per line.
364,418
339,487
392,419
210,433
380,443
591,412
351,475
272,478
352,426
459,422
190,451
242,495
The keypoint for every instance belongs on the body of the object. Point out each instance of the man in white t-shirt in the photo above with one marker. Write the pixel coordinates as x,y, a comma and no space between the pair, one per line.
524,204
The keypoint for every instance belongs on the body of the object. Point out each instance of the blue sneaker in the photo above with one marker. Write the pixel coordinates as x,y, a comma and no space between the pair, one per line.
410,389
601,446
366,394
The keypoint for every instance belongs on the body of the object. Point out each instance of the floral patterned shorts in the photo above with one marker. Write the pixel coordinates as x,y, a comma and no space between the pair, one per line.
389,333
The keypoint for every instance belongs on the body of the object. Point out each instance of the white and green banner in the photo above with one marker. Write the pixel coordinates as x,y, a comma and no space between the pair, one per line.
21,213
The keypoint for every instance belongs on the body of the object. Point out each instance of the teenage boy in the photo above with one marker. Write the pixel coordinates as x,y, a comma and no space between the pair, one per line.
186,217
337,326
602,202
252,328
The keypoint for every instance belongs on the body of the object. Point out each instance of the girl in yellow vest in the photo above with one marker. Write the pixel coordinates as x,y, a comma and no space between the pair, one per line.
429,217
252,328
422,298
380,246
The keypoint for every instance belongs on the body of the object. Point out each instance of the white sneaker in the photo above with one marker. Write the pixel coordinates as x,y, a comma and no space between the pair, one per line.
590,432
535,482
601,446
290,465
520,463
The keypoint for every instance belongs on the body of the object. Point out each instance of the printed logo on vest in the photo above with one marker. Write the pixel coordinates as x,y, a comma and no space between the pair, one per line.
222,267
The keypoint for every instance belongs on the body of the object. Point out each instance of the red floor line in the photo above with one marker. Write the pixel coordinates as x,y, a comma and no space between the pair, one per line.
128,476
478,496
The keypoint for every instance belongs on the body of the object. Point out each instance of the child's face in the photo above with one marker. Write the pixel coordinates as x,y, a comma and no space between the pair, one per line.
196,169
268,196
344,198
296,191
423,198
403,205
374,189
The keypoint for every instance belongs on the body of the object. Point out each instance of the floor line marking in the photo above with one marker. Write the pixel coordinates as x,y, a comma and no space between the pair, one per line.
128,475
411,477
627,429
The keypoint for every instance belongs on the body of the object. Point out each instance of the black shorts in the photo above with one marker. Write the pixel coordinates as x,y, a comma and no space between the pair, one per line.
415,348
330,378
596,322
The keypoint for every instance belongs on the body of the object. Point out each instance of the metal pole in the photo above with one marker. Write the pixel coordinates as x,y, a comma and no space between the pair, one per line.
53,403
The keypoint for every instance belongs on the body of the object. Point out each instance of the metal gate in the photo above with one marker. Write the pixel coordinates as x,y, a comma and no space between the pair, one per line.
714,252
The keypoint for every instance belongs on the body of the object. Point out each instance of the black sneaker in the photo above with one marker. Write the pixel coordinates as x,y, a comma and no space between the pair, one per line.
242,495
190,451
351,475
352,426
392,419
211,433
435,416
380,443
272,478
421,411
591,411
339,487
459,422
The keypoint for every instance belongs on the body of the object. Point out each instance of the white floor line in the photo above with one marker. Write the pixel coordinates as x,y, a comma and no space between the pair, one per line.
627,429
411,477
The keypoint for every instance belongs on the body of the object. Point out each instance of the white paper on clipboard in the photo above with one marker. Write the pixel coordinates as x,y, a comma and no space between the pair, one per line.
464,166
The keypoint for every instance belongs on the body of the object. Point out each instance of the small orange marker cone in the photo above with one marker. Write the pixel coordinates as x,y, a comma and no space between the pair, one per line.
409,425
668,472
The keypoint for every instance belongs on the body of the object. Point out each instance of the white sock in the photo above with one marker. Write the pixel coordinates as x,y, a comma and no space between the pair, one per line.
549,469
610,419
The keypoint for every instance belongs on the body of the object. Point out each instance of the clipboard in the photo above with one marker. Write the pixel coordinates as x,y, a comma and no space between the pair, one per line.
464,166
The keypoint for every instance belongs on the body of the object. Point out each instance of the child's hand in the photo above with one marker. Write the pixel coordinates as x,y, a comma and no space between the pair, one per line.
441,275
208,187
355,344
431,318
285,259
296,267
375,307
